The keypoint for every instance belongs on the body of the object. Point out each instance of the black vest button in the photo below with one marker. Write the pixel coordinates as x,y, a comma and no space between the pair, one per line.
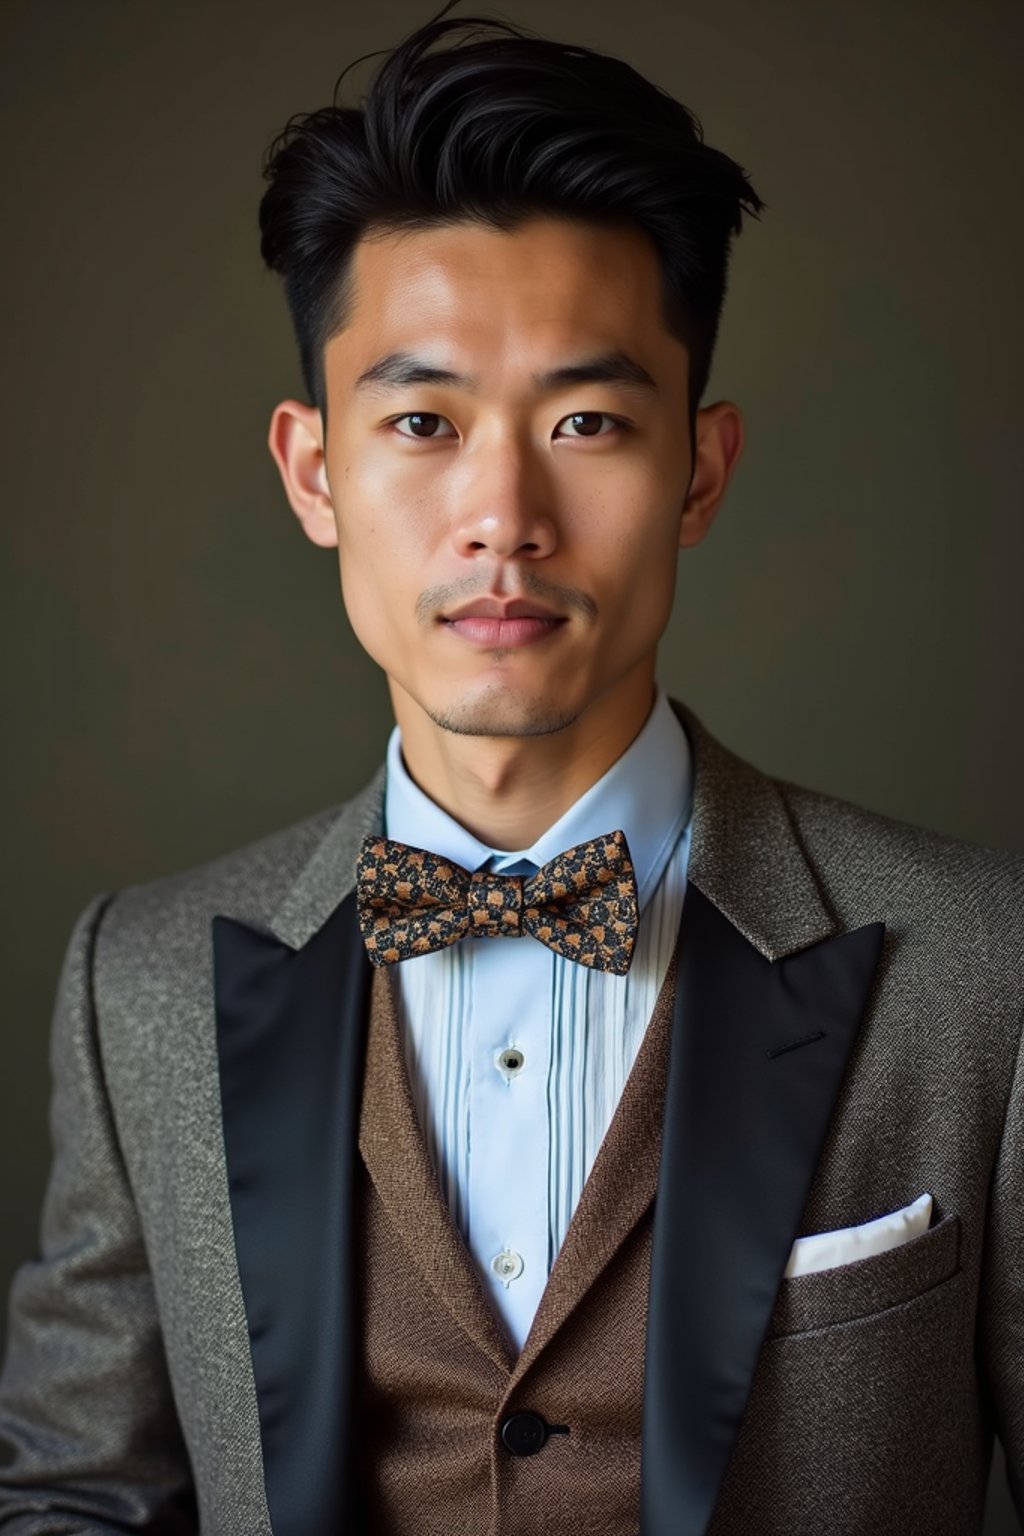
524,1434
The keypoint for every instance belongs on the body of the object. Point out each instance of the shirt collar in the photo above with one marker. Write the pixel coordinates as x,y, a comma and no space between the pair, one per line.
647,792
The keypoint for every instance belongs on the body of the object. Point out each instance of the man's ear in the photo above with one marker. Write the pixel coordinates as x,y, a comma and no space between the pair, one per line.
296,443
719,433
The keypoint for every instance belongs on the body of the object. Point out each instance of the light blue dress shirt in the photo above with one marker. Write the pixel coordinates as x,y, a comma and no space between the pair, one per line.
517,1057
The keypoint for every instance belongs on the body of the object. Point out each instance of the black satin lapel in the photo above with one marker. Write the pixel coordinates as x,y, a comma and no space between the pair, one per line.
750,1094
291,1029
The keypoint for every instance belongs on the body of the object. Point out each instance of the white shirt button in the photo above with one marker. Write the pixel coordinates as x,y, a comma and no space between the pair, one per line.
507,1265
510,1062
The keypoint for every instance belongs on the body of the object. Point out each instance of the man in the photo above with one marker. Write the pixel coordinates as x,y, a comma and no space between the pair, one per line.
579,1129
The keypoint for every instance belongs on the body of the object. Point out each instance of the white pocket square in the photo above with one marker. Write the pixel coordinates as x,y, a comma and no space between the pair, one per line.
825,1250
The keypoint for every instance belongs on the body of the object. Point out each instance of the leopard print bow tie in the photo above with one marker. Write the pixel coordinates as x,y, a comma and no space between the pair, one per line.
583,904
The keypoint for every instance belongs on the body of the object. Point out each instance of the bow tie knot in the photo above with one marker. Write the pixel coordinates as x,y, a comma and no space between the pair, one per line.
582,904
495,905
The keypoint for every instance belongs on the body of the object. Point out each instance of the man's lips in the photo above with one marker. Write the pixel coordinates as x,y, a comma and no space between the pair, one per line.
493,621
480,629
499,608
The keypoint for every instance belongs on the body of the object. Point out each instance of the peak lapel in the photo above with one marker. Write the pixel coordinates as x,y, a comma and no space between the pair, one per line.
744,853
291,1008
330,873
769,998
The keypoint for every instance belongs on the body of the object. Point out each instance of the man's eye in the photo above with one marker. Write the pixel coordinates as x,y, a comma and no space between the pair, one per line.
591,421
426,419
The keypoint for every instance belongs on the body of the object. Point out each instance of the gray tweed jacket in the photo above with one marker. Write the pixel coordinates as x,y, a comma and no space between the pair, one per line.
865,1009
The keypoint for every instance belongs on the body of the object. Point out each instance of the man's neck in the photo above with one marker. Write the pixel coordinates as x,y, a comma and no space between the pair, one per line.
507,790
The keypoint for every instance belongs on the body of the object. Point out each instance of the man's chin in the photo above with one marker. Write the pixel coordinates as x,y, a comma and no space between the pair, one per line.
501,712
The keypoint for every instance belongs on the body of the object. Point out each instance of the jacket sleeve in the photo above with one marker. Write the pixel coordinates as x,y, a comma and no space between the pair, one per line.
1001,1302
89,1438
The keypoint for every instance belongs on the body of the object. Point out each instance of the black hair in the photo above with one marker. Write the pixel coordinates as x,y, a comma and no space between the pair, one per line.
500,126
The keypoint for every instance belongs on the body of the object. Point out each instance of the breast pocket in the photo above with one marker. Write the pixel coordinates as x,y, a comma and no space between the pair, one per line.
868,1286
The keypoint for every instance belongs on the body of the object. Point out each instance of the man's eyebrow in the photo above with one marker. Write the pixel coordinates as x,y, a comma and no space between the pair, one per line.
401,368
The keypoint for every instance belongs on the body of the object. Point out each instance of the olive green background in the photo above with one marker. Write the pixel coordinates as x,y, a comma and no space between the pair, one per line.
178,673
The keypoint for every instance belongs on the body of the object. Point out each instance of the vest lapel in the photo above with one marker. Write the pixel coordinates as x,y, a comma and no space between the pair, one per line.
619,1188
395,1152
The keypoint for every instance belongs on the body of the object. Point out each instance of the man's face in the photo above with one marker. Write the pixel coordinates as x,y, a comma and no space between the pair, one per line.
564,496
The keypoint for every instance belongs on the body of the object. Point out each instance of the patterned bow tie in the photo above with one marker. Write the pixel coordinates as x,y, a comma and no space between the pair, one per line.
583,904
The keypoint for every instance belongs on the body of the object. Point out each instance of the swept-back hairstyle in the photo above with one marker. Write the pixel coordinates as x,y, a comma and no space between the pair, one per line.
499,126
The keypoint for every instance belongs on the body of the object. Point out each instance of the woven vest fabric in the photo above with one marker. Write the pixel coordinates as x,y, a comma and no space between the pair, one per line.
432,1399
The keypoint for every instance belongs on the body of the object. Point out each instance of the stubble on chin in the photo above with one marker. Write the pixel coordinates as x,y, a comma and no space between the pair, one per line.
499,712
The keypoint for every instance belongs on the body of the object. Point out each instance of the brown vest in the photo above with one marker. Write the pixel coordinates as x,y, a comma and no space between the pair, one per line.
438,1375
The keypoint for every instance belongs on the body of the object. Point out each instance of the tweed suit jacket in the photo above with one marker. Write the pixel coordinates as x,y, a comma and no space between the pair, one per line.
844,1034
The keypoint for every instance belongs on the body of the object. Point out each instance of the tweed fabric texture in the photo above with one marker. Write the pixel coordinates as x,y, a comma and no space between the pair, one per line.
127,1395
582,904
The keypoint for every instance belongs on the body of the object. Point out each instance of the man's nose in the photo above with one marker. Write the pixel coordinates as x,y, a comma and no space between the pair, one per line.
506,510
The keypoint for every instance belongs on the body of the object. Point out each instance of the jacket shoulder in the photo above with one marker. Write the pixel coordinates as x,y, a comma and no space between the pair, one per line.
844,821
905,865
